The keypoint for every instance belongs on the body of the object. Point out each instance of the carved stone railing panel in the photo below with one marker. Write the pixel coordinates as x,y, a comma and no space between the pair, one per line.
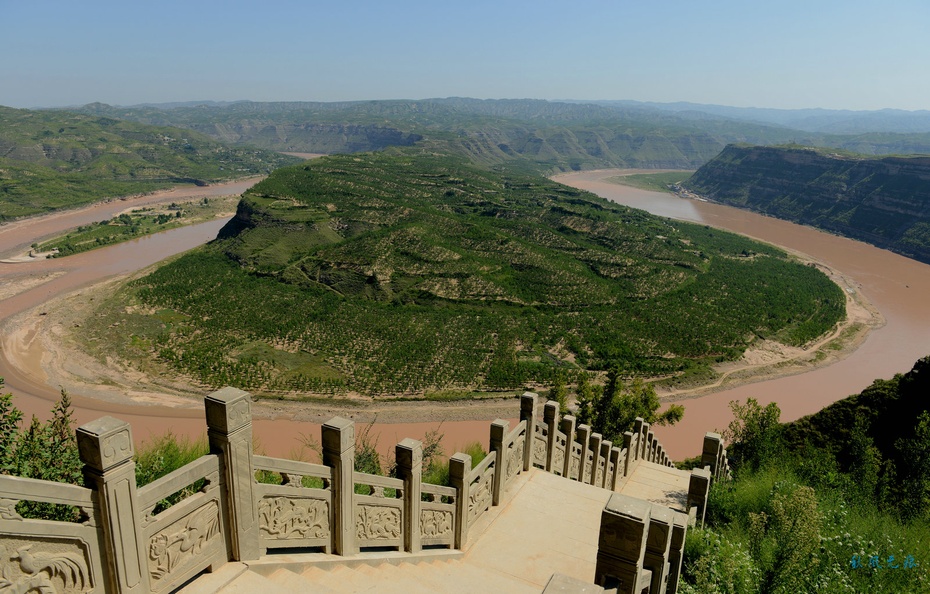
481,480
291,515
48,564
513,446
540,445
379,515
183,541
186,538
437,515
575,462
589,464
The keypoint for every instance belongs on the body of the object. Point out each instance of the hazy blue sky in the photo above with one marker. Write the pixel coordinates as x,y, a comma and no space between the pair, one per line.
848,54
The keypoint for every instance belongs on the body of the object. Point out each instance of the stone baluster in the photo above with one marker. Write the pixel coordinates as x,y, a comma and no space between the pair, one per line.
676,551
499,430
584,437
106,449
528,414
621,546
338,436
657,546
607,477
551,419
568,428
408,455
229,431
459,469
698,489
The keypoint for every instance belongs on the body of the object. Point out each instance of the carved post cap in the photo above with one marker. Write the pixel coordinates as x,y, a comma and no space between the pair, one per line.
528,403
660,528
584,433
459,465
712,442
105,443
409,453
624,526
228,409
338,435
550,411
499,429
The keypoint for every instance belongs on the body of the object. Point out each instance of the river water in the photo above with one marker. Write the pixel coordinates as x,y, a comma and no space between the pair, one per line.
897,286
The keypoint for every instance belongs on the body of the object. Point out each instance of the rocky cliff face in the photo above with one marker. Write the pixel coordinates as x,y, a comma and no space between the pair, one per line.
885,202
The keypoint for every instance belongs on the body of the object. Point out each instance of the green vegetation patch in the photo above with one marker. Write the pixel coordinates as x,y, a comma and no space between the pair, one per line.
399,273
59,159
656,182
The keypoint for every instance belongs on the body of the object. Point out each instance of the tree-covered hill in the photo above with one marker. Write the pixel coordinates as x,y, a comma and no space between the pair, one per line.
55,159
404,272
883,201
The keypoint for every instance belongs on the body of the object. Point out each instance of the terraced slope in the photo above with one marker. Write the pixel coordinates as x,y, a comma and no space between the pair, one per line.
406,273
55,159
885,202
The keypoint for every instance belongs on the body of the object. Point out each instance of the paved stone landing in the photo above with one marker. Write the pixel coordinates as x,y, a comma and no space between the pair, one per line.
659,484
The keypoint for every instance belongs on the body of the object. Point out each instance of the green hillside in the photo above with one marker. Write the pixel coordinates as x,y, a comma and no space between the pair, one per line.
883,201
838,501
403,273
56,159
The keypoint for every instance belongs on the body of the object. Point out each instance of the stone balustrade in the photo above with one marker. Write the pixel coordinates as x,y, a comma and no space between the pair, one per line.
156,537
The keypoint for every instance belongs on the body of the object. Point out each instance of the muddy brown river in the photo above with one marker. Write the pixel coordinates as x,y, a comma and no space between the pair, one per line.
897,286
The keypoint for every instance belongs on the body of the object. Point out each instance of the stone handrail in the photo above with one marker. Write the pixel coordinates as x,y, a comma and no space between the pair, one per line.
156,537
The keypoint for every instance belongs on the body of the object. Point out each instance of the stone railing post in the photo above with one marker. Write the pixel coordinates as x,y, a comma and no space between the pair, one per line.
616,461
584,437
621,545
229,430
408,455
653,445
676,551
568,428
528,414
629,446
499,430
698,489
644,443
594,444
638,432
105,447
710,453
459,469
338,436
657,545
551,419
607,480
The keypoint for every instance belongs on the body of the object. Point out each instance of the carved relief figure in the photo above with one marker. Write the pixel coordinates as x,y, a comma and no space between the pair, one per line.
539,451
377,523
515,458
170,548
480,497
284,518
435,523
42,571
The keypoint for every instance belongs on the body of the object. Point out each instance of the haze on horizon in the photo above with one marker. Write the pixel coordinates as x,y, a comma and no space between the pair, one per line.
855,54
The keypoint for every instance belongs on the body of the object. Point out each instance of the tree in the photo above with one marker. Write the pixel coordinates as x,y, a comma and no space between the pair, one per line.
754,434
612,410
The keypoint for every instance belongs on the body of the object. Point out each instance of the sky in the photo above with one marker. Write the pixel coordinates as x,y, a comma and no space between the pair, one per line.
849,54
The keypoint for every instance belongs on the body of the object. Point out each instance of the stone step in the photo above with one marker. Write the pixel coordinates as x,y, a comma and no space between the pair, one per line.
250,582
292,582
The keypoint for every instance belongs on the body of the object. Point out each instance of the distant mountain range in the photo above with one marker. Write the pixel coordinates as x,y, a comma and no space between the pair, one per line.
822,121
